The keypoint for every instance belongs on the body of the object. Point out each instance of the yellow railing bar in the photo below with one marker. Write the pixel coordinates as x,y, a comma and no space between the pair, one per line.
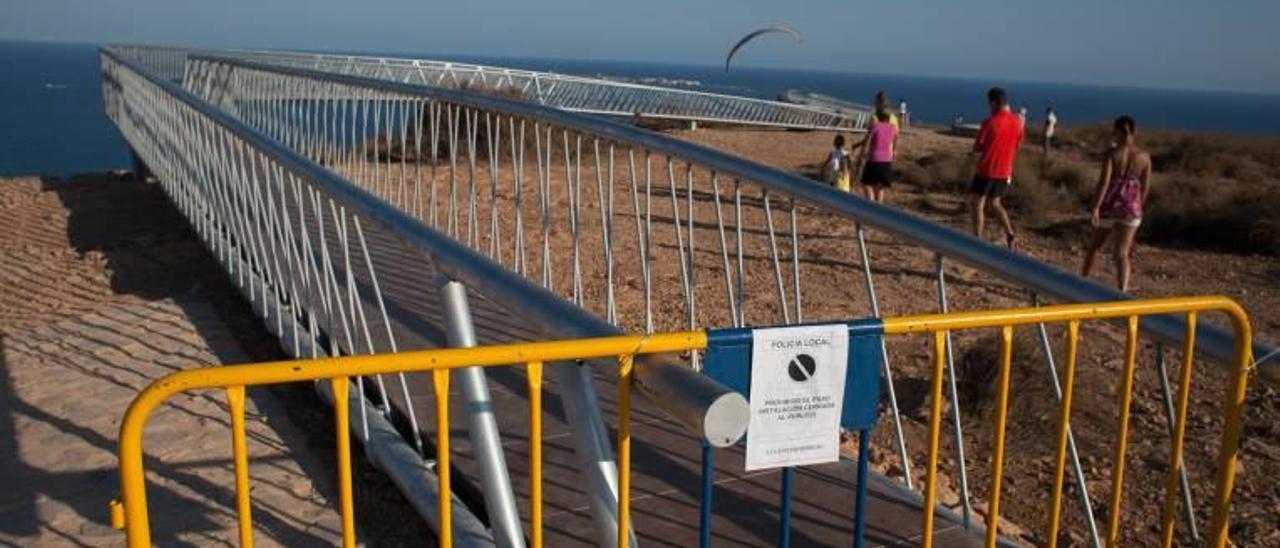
1002,414
625,372
342,425
1233,402
927,323
1179,433
440,378
1122,433
240,453
935,431
534,379
1064,427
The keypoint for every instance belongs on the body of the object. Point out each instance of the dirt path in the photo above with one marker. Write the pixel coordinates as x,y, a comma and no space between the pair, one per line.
102,290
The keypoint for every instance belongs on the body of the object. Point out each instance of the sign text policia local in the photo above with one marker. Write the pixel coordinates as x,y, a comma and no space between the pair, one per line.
797,393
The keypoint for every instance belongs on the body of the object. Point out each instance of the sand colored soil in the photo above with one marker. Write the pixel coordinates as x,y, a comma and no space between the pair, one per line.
103,290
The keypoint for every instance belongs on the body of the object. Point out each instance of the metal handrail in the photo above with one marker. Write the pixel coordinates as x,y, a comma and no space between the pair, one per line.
715,413
1022,270
480,273
602,97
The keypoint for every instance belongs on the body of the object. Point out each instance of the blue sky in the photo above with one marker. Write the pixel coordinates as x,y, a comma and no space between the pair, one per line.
1229,45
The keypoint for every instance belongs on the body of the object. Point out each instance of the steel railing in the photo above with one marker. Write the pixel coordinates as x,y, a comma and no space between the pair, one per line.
294,235
573,93
354,126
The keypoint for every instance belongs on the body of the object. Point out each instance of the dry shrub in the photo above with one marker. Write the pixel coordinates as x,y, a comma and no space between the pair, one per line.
1231,217
947,170
1237,157
1212,191
1030,195
1074,181
977,364
911,173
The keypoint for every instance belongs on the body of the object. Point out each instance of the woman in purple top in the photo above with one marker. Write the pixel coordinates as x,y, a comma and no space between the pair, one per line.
1118,205
878,149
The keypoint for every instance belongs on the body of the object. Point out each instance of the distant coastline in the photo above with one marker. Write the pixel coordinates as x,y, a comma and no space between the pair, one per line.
50,98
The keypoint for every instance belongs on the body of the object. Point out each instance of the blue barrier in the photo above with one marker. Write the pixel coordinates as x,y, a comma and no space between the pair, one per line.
728,361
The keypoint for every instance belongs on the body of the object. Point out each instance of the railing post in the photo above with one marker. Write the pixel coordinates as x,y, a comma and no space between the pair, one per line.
1081,487
1188,507
886,371
486,441
957,429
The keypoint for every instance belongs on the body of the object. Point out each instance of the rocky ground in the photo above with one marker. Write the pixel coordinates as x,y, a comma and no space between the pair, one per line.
102,290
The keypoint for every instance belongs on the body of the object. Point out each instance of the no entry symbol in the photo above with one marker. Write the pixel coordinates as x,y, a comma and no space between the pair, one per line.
801,368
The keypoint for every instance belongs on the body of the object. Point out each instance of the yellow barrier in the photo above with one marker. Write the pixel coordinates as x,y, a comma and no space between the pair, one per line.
938,325
130,511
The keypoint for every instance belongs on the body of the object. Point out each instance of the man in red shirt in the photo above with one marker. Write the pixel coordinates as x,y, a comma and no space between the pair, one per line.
997,142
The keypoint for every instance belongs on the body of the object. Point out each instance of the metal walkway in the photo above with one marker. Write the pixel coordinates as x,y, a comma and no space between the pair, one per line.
572,93
338,201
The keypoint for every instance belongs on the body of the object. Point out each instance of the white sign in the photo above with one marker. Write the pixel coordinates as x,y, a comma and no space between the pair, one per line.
797,392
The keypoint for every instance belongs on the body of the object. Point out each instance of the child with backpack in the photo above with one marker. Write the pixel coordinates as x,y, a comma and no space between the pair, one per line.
837,167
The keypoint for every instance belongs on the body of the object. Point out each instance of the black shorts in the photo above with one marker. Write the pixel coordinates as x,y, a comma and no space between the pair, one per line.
992,188
878,174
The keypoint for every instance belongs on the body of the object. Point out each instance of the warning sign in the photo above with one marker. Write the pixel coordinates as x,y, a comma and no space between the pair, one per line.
797,392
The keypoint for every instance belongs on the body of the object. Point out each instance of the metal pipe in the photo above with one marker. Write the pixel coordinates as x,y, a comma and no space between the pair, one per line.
884,359
1188,507
955,402
486,440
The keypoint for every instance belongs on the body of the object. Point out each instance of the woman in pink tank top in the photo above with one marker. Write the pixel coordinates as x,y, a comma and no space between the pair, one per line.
1118,204
878,149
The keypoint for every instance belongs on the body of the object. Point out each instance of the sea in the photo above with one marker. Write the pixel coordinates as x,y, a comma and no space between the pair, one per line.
52,122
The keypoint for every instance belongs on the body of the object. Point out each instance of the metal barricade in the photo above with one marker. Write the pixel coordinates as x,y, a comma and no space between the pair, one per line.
130,512
940,326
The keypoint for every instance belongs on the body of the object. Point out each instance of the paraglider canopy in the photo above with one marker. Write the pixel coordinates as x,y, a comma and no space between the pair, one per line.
783,29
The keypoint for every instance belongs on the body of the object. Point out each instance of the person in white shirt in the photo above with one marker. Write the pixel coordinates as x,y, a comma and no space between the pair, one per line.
1022,115
837,168
903,115
1050,126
